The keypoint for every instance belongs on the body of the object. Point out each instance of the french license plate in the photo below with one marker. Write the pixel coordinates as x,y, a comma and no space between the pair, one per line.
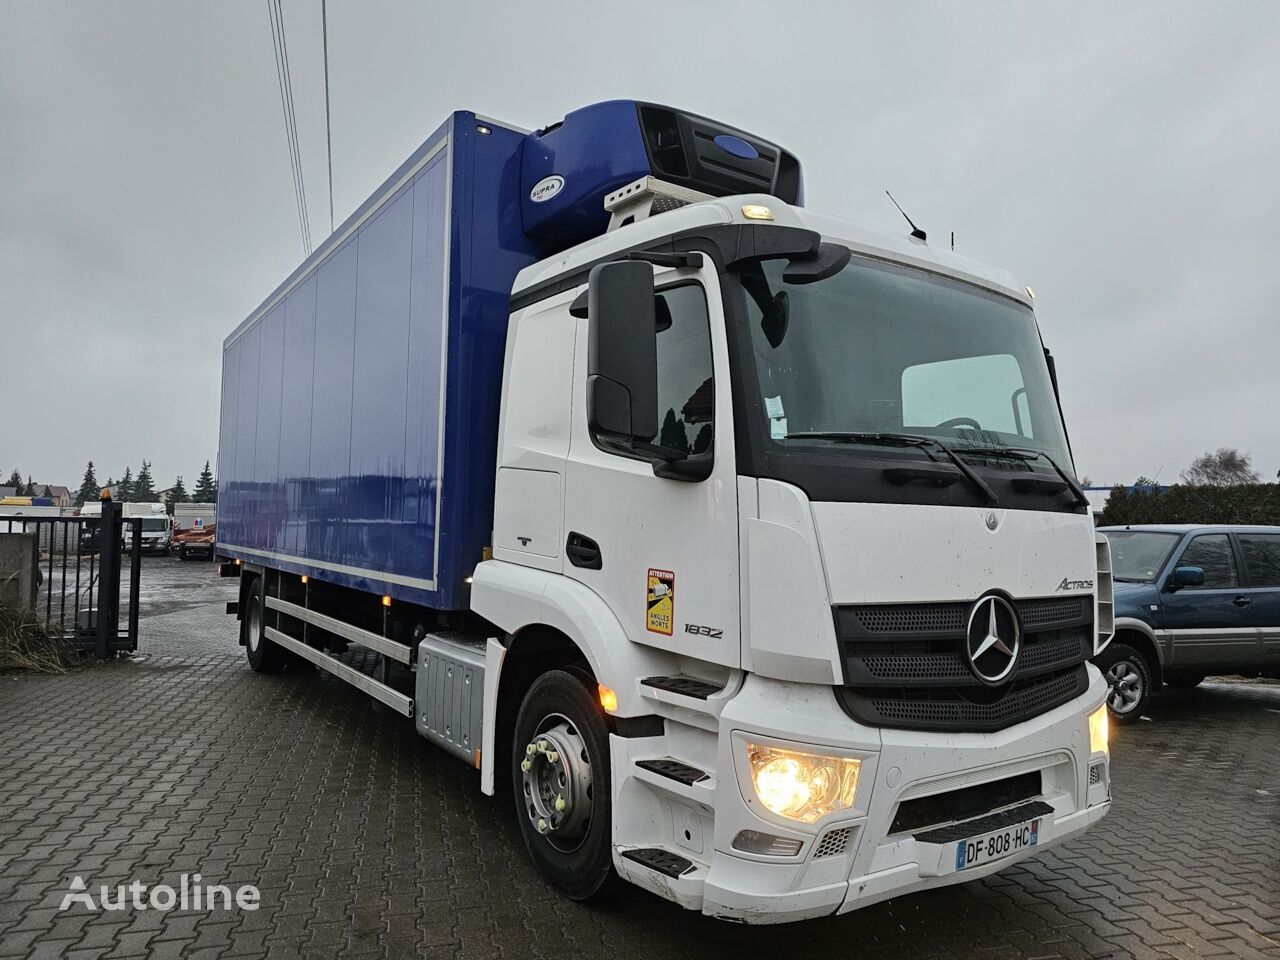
997,844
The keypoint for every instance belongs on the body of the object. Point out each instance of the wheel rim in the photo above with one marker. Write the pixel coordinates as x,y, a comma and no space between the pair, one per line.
1127,686
556,779
255,625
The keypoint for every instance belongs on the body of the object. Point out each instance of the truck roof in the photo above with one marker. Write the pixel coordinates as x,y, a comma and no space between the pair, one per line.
861,238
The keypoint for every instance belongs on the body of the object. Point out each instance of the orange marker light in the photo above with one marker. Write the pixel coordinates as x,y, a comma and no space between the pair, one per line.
608,699
386,601
305,578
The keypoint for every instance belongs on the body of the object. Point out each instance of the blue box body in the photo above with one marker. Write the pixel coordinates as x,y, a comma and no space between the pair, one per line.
360,401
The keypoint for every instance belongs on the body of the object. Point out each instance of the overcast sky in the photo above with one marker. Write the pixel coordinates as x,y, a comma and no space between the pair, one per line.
1122,159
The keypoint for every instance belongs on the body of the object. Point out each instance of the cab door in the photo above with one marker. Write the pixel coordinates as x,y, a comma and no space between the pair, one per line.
1210,625
1260,553
663,553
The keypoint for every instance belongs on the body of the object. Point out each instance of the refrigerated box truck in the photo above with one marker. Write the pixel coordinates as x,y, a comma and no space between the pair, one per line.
740,544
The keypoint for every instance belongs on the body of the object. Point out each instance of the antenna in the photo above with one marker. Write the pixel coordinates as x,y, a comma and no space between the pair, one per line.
915,231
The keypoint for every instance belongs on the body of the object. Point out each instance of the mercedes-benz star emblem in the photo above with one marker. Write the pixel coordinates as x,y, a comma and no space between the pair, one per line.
993,639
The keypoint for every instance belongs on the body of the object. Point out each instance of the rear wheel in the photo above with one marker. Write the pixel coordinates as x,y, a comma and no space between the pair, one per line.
264,656
1129,676
560,772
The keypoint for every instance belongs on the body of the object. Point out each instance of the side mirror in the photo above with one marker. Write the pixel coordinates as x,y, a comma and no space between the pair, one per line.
622,351
1186,577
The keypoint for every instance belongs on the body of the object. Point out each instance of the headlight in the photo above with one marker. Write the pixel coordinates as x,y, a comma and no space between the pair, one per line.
1098,730
802,786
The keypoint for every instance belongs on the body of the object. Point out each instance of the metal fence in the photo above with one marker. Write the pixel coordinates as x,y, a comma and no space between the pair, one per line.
79,572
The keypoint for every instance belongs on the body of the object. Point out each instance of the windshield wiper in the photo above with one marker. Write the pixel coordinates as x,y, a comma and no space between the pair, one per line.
1024,453
905,440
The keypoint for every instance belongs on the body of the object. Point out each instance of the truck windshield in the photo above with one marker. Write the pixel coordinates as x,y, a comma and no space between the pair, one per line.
154,524
882,349
1138,555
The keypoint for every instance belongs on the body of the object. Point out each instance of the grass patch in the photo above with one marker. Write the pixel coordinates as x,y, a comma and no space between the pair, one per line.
26,645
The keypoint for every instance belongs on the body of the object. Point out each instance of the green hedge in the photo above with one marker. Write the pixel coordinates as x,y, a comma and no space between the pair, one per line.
1246,503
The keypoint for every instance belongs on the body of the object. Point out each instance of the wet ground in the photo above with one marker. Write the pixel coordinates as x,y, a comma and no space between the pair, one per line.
366,841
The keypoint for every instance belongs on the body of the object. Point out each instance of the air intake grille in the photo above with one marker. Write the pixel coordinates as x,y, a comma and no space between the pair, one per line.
928,618
953,708
833,843
1095,775
913,618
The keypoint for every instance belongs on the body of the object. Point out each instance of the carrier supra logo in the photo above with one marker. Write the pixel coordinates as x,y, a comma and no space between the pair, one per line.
992,639
1069,584
546,188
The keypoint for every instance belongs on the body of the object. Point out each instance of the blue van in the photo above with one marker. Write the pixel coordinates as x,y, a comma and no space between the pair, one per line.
1190,601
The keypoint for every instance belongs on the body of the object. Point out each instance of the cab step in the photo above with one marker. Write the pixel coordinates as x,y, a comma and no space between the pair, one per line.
683,686
675,770
662,861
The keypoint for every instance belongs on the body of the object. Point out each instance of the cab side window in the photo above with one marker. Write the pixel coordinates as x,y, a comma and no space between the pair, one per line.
1212,553
686,388
1261,558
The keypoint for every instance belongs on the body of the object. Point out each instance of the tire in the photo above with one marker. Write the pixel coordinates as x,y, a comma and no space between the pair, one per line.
1185,682
561,736
1130,677
264,656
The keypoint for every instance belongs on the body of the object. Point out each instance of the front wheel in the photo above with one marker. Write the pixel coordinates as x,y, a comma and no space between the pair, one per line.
1129,676
560,773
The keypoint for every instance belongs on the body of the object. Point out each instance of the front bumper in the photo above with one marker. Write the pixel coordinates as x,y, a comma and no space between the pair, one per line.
855,859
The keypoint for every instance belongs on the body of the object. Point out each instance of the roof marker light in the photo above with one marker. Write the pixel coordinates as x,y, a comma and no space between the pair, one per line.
1031,293
305,578
386,601
755,211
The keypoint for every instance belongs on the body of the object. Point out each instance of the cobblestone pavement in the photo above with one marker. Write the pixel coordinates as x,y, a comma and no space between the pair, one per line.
367,841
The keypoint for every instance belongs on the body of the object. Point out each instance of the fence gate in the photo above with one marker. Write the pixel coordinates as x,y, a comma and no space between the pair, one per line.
80,577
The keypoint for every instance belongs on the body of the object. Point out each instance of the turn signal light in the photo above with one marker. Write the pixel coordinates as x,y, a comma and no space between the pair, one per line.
608,699
1099,730
802,786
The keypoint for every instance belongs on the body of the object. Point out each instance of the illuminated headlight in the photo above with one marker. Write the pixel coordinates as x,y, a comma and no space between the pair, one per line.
802,786
1098,731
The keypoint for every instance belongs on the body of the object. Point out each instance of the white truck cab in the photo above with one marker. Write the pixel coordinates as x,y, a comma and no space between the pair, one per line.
157,528
853,581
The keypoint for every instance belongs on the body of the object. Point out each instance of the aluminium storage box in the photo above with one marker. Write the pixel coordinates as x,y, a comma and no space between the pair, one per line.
360,401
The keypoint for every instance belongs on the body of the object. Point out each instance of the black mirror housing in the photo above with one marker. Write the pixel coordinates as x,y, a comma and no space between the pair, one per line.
622,351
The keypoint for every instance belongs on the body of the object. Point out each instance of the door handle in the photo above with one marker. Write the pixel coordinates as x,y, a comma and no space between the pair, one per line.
583,552
1242,601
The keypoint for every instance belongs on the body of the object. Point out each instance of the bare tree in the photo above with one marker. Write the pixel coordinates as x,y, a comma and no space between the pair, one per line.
1224,467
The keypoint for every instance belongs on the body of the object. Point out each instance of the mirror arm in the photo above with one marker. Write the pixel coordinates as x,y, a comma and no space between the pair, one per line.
693,259
691,469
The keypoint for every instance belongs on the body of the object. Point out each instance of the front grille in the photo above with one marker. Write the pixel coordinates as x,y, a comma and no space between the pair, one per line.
905,665
912,617
963,708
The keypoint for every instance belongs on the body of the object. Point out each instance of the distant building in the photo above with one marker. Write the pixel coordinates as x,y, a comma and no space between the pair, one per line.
61,496
7,492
